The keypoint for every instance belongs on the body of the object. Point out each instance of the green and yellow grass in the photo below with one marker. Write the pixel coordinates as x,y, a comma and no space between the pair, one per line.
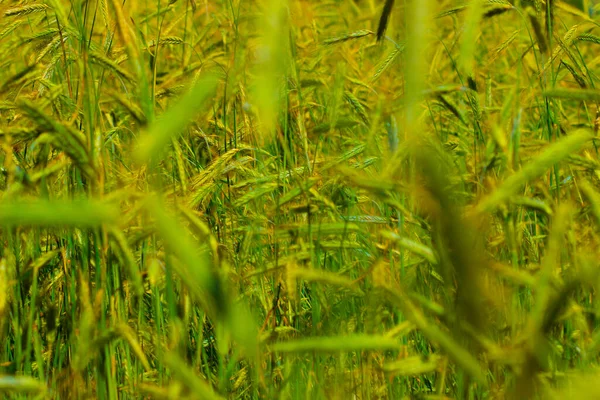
243,199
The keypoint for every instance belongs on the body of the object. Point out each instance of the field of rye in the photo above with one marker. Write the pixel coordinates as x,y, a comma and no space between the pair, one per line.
243,199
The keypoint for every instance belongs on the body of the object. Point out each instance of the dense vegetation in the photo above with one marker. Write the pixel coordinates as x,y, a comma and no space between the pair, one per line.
243,199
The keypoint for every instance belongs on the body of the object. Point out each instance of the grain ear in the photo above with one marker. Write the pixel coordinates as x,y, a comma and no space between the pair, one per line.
384,19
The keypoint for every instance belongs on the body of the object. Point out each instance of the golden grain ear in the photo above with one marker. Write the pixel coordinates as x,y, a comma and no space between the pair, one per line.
384,19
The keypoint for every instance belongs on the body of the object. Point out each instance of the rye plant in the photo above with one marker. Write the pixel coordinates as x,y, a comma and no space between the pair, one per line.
299,199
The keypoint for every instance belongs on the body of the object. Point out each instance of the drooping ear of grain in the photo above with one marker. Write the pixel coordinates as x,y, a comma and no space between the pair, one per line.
25,10
65,137
564,43
203,183
387,62
350,36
